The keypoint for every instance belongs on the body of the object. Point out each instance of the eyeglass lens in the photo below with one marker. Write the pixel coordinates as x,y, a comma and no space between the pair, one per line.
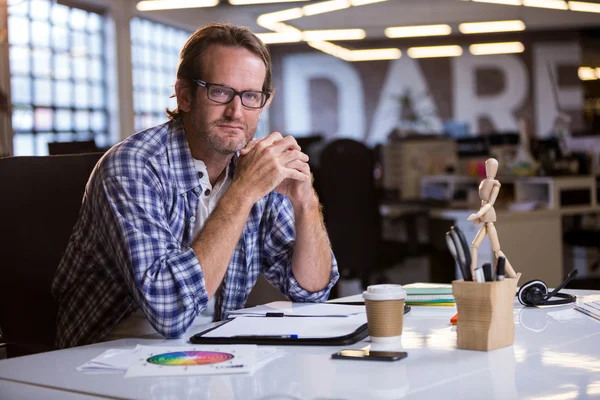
222,94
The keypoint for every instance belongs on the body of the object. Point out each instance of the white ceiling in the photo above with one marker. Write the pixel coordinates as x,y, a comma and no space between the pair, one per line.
374,18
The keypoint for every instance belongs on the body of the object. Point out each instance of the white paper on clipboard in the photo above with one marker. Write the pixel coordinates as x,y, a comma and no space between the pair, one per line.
304,328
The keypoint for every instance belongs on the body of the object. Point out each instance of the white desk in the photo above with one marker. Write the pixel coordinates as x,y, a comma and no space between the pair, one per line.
556,355
23,391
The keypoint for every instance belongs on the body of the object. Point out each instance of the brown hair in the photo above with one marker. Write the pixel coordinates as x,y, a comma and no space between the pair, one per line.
221,34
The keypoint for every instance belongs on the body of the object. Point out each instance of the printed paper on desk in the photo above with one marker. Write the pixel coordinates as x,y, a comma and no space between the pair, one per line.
289,309
193,360
591,308
112,360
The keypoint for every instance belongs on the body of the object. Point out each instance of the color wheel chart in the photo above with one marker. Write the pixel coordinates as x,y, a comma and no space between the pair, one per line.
192,360
189,358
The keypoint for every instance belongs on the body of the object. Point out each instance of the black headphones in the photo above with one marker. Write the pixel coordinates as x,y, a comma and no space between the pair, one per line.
535,293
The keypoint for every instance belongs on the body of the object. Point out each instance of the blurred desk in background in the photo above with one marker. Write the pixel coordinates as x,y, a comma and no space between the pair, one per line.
421,235
531,240
534,221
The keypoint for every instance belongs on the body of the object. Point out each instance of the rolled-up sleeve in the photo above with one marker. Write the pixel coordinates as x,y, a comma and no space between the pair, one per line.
164,277
278,251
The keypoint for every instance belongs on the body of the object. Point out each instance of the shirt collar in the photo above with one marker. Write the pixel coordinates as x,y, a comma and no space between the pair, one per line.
181,160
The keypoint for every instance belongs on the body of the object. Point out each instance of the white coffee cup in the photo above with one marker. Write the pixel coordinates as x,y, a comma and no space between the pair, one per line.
385,312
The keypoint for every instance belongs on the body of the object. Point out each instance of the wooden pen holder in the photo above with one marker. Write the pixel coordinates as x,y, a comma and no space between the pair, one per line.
485,314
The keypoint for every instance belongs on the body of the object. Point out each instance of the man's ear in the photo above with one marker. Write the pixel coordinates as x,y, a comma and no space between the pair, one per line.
183,91
267,104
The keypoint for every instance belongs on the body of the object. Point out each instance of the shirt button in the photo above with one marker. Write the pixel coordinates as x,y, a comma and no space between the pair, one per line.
200,175
193,219
207,192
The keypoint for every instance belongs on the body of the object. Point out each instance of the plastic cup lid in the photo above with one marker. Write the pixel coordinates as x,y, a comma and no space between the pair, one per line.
384,292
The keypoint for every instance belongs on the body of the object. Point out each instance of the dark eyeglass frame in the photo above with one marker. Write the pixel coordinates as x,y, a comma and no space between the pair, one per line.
207,85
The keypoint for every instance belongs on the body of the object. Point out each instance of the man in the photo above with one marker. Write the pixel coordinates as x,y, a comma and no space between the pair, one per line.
192,210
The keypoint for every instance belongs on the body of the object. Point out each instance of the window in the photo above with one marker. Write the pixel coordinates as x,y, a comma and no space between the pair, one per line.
155,51
58,85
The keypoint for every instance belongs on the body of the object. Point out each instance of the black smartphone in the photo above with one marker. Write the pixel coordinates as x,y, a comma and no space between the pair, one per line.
369,355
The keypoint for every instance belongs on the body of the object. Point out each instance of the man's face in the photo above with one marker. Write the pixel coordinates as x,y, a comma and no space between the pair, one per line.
227,128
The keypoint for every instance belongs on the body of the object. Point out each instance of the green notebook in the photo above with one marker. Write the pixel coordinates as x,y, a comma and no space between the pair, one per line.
428,288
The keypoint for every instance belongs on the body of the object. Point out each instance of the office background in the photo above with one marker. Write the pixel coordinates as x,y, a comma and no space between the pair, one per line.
89,69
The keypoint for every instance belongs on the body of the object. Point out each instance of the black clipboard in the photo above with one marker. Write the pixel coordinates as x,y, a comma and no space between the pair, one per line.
359,334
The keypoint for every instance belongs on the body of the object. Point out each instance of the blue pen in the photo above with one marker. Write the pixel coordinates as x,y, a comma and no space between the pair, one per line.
292,336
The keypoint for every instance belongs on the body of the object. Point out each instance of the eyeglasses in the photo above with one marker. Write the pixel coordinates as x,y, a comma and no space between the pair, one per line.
224,95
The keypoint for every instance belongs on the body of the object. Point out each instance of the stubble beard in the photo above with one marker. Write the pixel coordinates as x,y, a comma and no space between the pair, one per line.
224,146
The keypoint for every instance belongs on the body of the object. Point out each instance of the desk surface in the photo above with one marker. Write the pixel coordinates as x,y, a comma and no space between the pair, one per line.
556,354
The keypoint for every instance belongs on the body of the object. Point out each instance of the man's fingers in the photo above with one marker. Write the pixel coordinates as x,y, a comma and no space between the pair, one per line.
296,175
252,144
286,143
276,144
269,140
291,155
299,166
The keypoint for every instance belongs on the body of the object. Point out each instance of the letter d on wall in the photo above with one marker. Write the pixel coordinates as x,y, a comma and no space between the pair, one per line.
298,70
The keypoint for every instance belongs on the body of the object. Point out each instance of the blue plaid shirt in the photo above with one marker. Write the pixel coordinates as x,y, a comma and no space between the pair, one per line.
131,245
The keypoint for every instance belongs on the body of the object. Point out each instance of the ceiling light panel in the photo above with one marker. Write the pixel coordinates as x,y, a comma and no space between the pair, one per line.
552,4
586,74
417,31
356,55
584,6
331,49
277,16
276,37
434,51
334,34
375,54
481,49
491,26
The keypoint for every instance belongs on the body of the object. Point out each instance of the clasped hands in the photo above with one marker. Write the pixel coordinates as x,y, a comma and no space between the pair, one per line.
276,163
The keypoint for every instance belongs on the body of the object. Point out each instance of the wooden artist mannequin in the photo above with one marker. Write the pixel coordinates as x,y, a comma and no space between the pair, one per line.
488,192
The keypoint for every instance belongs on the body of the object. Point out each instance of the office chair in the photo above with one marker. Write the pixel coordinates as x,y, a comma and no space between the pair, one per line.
350,208
351,203
78,147
39,205
351,200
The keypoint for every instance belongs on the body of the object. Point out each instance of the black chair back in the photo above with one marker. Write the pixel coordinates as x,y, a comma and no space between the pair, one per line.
86,146
348,194
39,205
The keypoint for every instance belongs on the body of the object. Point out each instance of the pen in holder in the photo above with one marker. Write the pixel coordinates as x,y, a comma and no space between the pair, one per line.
485,314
